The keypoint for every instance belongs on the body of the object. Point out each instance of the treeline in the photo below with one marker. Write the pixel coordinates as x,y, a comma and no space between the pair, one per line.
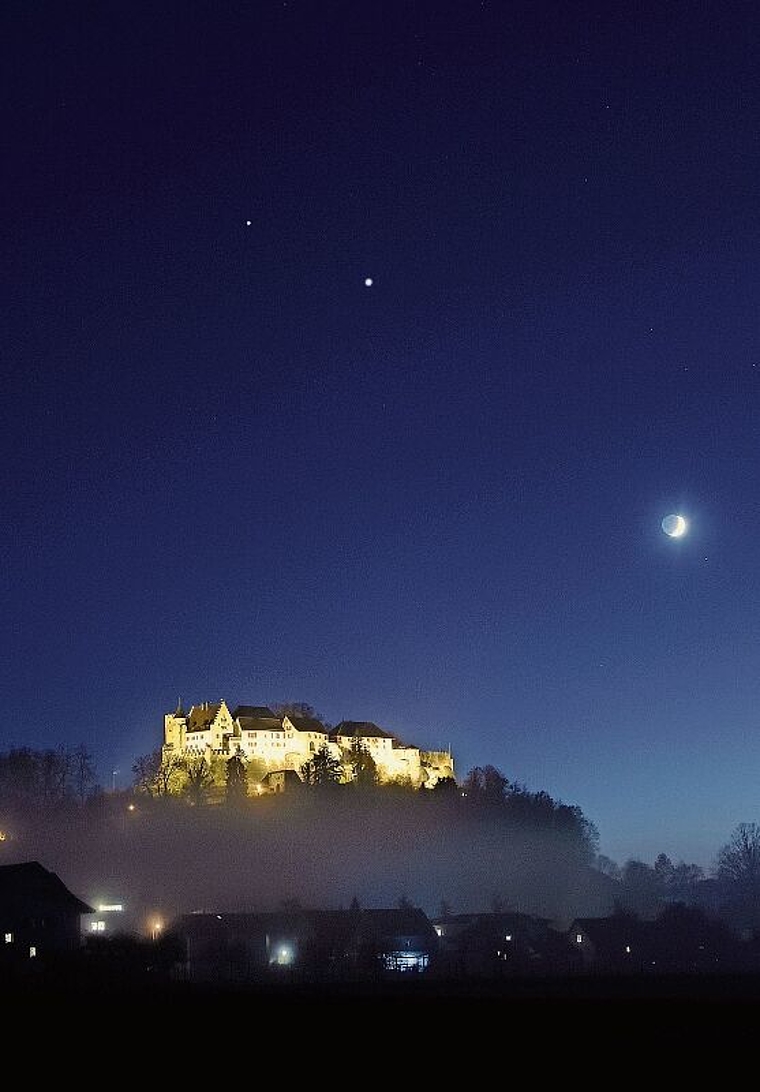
48,777
731,891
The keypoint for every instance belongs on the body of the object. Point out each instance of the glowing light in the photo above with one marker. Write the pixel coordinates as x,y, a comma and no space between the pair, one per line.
110,907
3,835
130,807
675,526
248,223
368,282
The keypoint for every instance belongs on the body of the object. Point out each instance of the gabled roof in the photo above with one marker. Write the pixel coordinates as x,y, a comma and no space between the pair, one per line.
257,711
291,776
29,886
361,729
385,924
201,716
260,724
308,724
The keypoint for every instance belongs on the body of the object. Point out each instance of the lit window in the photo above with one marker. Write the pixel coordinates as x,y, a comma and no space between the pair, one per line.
98,926
32,952
508,936
579,938
9,938
628,949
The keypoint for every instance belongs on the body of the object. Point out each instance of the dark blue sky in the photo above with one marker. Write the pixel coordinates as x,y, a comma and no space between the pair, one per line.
229,469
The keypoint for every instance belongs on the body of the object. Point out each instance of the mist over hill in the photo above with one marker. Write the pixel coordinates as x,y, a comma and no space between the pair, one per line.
320,848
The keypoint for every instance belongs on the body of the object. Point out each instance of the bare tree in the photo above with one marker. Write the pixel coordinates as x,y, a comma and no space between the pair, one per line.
738,862
156,773
83,772
200,778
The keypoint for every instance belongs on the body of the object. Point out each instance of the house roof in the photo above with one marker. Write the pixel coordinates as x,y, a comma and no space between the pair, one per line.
379,924
256,711
361,729
29,885
289,775
308,724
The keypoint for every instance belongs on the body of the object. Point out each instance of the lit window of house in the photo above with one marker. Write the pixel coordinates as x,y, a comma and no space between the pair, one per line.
32,952
579,938
9,938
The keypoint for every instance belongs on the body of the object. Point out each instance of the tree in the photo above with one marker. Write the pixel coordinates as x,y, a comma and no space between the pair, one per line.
663,870
83,773
145,770
486,785
200,778
236,778
157,773
298,709
323,769
738,860
641,889
362,764
445,787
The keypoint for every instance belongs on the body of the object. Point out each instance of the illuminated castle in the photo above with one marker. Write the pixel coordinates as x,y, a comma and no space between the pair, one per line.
273,743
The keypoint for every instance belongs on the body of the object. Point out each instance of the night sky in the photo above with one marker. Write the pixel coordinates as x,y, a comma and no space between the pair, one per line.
231,469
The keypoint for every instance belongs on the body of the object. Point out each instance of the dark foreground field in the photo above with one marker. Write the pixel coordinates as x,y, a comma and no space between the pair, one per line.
322,1026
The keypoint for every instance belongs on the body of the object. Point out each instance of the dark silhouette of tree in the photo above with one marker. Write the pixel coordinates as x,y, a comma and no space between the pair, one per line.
323,769
485,785
363,765
663,870
737,870
298,709
444,910
200,778
145,771
738,862
685,881
83,773
236,780
157,773
445,787
403,903
641,890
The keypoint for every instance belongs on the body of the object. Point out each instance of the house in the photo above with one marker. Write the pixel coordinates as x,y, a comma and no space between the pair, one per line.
501,944
279,781
313,944
39,916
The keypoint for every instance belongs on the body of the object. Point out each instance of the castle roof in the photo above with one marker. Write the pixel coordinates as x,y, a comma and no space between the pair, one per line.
308,724
260,724
255,711
361,729
201,716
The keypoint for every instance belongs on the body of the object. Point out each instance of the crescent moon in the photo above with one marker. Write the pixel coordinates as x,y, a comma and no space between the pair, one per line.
675,526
